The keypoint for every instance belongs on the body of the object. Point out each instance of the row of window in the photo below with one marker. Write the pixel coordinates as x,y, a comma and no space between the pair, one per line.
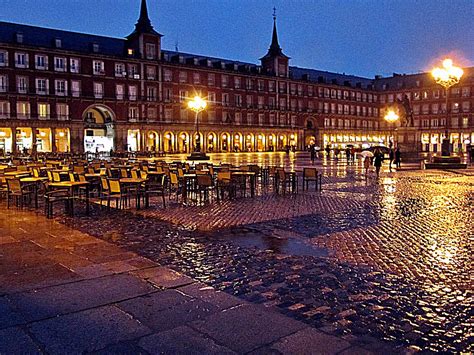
426,94
62,64
344,123
23,110
436,108
455,122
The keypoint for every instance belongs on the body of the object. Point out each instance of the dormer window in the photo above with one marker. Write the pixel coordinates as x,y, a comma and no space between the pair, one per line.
19,37
150,50
95,48
130,51
58,43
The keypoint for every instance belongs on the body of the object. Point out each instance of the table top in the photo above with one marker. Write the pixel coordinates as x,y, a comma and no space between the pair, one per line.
68,183
131,181
249,173
33,179
17,173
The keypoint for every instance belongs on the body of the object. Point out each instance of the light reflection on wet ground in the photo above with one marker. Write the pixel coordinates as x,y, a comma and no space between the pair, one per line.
391,260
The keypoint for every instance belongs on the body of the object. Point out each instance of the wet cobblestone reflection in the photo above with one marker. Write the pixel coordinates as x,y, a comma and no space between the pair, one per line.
368,261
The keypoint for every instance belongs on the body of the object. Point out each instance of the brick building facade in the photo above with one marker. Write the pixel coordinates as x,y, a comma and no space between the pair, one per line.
63,91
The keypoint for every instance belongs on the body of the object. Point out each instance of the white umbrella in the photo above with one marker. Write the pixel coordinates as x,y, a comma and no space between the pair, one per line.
367,153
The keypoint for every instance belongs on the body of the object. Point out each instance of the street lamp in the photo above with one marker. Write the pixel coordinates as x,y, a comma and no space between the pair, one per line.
447,76
391,117
197,104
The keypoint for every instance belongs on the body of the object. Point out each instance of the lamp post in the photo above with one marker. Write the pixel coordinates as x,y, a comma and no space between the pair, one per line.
391,117
447,76
197,104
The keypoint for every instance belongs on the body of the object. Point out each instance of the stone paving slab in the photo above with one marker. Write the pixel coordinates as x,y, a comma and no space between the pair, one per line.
245,328
86,331
71,297
208,294
163,277
16,341
180,341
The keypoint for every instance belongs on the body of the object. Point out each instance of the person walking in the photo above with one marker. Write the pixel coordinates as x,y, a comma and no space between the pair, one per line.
398,158
312,149
391,156
378,159
348,155
366,166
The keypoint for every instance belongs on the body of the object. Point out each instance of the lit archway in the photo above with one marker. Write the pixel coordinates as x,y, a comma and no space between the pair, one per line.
225,142
211,142
152,141
238,142
272,142
99,129
168,142
261,142
183,142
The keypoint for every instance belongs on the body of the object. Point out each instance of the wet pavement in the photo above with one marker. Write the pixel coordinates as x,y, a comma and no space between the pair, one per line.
368,260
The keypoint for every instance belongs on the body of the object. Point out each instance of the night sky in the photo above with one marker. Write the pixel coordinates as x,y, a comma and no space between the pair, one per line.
352,36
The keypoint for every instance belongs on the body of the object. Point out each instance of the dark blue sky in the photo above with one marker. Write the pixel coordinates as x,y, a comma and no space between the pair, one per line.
361,37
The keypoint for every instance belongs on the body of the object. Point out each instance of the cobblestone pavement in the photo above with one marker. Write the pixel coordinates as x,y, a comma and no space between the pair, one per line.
367,260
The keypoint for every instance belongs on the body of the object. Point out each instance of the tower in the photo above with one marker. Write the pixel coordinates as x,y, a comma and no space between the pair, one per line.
275,62
144,42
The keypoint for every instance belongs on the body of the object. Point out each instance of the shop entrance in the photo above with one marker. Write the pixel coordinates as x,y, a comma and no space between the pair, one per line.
98,129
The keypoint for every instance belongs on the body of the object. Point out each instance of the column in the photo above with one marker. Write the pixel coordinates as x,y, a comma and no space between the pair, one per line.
34,147
54,148
14,150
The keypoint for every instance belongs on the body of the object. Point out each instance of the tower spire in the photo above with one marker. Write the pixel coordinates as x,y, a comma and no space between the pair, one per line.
275,49
143,24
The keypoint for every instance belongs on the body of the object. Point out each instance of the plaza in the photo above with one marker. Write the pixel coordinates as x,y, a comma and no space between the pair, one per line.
364,265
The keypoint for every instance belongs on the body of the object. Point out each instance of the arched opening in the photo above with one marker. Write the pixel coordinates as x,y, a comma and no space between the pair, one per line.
133,140
194,141
225,142
43,140
261,143
183,142
310,140
61,140
6,141
237,142
168,142
282,142
24,140
249,142
272,142
211,142
309,124
293,141
152,141
99,129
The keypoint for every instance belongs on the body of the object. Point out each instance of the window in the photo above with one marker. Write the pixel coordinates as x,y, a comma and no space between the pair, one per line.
74,65
225,99
300,90
196,78
42,86
150,72
167,75
183,77
95,48
249,118
416,95
59,64
212,97
434,123
168,114
119,91
151,113
3,58
238,118
120,70
271,86
425,109
150,51
455,107
3,83
98,67
282,104
282,87
390,98
22,109
151,94
43,111
4,109
62,111
310,90
21,60
465,106
224,81
98,90
249,100
327,122
339,109
168,95
416,109
133,71
465,90
58,43
75,88
424,95
211,79
238,100
435,108
271,102
22,84
133,113
261,119
465,121
436,94
261,102
237,82
41,62
60,87
249,84
132,93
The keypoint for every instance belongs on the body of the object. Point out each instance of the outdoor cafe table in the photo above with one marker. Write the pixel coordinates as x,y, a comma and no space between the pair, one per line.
247,174
35,181
17,174
71,186
133,182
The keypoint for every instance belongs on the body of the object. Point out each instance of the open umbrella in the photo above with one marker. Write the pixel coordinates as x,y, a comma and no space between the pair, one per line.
367,153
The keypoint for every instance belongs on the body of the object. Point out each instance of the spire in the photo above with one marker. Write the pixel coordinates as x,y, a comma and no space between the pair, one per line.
275,49
143,24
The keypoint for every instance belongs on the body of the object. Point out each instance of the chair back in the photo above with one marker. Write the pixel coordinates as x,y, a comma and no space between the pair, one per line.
310,172
56,177
173,178
114,186
82,178
223,176
36,173
78,169
123,173
72,178
90,170
135,174
180,172
204,180
50,175
103,184
14,185
143,174
281,174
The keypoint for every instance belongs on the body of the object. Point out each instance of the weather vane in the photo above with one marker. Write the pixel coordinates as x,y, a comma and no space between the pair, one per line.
274,13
